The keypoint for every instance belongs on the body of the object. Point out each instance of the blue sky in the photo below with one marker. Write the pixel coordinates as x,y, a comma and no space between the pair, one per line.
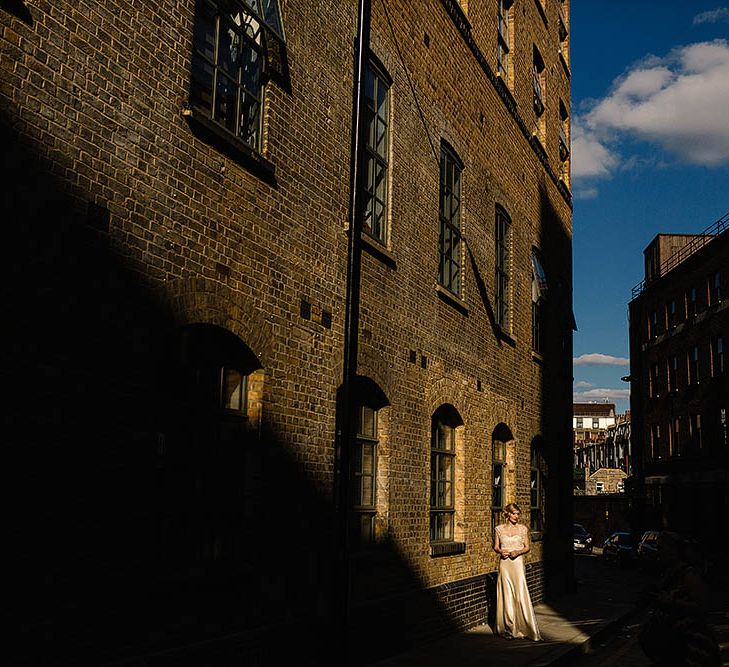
650,154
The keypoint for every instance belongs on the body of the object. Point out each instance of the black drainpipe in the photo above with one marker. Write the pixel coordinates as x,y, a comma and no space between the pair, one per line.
351,332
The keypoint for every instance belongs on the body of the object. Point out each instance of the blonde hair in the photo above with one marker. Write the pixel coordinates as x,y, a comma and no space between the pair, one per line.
512,507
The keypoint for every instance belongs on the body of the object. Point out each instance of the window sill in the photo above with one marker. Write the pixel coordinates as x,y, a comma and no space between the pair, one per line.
505,89
459,15
378,251
506,336
564,189
539,146
451,299
228,144
438,549
537,535
565,64
537,358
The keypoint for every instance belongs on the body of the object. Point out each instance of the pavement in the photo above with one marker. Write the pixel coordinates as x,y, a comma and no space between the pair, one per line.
606,598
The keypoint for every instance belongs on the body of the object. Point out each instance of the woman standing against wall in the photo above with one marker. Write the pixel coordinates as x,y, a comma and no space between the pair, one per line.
514,612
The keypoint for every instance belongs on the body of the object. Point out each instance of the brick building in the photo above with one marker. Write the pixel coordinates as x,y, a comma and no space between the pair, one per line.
679,322
602,451
178,224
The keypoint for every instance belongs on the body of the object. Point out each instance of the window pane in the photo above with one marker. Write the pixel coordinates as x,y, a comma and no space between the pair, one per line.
455,284
249,120
380,182
204,35
357,492
357,458
441,526
445,437
367,491
499,452
447,500
370,90
378,230
382,101
251,76
201,92
369,126
445,467
447,520
363,529
381,138
368,459
366,421
368,528
226,100
229,43
233,389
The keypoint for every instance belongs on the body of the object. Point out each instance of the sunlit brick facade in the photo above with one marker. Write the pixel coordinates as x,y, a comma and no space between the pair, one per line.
179,216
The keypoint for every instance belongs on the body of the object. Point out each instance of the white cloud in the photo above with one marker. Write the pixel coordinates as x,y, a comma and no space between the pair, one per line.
590,156
581,193
600,394
597,359
583,385
678,102
712,16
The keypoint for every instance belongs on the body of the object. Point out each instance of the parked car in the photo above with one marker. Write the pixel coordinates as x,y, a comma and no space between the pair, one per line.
583,539
647,551
619,548
648,547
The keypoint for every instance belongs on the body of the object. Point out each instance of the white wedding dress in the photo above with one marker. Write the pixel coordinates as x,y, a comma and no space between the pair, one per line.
514,612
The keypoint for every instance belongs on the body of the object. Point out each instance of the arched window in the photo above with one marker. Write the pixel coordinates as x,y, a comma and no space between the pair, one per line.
364,476
365,468
443,451
211,461
537,486
501,435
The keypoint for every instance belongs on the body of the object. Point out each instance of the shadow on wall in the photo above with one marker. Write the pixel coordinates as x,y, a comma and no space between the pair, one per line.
137,528
19,9
555,246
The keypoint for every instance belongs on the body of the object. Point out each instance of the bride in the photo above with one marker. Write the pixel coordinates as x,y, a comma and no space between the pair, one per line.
514,613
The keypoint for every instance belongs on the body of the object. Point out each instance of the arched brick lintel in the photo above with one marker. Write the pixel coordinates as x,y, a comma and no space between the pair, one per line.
448,391
202,301
371,364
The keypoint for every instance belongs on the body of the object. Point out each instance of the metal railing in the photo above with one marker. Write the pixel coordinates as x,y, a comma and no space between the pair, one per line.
695,244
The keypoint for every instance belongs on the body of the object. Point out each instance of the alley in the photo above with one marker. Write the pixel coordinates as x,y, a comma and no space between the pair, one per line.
605,595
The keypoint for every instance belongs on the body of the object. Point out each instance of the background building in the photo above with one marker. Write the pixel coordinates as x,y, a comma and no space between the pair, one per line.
679,322
178,201
591,423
